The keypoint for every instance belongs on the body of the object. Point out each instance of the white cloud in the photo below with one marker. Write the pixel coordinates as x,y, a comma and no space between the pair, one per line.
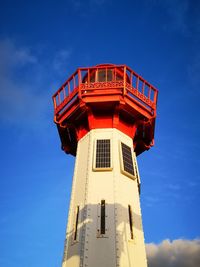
177,253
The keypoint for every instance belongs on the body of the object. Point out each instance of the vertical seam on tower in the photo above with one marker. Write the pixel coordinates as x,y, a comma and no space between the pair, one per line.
71,206
115,207
85,213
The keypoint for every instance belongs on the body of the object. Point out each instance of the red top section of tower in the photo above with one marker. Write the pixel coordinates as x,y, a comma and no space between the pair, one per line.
105,96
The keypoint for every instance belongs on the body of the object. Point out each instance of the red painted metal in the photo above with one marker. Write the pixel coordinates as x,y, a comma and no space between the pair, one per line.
105,96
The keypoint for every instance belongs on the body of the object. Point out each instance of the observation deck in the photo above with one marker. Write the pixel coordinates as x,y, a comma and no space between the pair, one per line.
105,96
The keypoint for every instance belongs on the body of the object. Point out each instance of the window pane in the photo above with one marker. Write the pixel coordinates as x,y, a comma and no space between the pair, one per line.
102,75
103,154
127,159
109,75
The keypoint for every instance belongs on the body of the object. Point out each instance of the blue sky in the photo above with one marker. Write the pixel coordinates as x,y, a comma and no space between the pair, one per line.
41,44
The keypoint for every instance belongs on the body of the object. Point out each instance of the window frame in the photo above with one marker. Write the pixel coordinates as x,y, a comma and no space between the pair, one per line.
103,169
137,174
123,171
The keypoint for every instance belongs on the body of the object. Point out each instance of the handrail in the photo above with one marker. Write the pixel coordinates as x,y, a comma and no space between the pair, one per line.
133,84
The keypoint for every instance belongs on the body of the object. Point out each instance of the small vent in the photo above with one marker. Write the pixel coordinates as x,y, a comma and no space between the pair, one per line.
103,218
76,224
130,220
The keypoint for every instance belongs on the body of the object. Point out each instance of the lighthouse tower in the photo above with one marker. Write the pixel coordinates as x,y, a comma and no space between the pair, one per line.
105,116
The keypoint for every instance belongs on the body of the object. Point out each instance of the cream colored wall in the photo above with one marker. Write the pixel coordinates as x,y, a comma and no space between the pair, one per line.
115,248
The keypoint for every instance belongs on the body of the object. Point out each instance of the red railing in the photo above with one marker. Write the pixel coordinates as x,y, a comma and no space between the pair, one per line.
120,79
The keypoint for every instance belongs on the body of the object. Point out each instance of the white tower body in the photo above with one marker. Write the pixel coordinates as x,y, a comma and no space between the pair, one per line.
104,222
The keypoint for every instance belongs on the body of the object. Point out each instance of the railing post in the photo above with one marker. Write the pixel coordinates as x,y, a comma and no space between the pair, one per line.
155,97
149,93
68,88
59,99
137,83
74,82
54,102
131,79
64,92
124,89
143,86
79,83
88,76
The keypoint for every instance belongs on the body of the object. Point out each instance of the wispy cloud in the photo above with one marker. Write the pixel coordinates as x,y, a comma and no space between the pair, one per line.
150,201
25,85
83,7
98,2
194,183
11,55
174,187
79,3
20,101
177,11
181,15
61,60
194,70
177,253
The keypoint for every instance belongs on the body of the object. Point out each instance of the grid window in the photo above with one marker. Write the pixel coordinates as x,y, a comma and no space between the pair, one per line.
103,153
127,159
105,75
